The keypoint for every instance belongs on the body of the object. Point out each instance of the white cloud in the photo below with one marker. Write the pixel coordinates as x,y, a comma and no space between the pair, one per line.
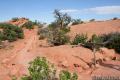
96,10
69,10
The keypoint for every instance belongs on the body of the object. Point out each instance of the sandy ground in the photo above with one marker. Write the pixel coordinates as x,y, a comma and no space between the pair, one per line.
14,59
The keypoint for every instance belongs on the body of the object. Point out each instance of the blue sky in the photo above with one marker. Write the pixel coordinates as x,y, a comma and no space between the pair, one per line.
42,10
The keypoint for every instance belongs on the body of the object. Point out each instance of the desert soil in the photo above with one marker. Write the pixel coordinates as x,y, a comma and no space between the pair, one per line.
14,60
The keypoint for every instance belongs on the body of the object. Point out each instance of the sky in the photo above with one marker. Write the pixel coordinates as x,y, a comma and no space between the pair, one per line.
42,10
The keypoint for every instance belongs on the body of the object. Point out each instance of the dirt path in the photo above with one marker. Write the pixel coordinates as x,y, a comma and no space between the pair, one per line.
14,63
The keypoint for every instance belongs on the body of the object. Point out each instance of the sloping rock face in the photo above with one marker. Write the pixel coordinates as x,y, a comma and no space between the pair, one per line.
96,27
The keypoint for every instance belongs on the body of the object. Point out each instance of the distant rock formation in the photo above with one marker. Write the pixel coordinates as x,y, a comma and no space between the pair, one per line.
19,22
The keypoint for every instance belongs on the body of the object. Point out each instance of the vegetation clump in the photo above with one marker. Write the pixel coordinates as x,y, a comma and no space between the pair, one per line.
10,32
62,19
56,31
112,41
15,19
41,69
59,28
58,37
115,18
65,75
43,33
92,20
29,25
77,21
94,44
79,39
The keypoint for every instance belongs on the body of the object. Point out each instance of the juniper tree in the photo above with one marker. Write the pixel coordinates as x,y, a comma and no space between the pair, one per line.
62,19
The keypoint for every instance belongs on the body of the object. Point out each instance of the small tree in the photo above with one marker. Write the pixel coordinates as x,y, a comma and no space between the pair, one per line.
62,20
96,43
56,31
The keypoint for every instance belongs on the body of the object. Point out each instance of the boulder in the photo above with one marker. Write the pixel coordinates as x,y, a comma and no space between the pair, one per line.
108,54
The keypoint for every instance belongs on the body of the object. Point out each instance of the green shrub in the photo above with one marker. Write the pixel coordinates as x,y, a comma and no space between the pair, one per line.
115,18
43,33
94,42
58,37
79,39
2,37
26,78
96,39
29,25
10,32
113,41
65,29
54,36
77,21
10,35
92,20
20,35
19,32
40,69
54,25
65,75
15,19
74,77
42,72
